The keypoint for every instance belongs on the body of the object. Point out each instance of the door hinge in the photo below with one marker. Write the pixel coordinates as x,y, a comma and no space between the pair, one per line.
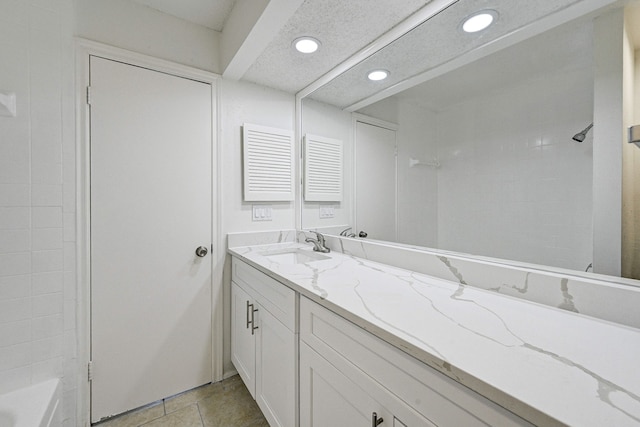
88,95
90,371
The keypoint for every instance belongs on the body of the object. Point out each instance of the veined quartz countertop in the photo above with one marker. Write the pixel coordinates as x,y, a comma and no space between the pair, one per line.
549,366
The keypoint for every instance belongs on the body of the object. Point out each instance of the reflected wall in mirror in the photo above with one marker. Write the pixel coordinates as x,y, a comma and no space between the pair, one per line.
486,163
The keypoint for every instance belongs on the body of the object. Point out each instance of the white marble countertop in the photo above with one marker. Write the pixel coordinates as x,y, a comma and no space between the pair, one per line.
549,366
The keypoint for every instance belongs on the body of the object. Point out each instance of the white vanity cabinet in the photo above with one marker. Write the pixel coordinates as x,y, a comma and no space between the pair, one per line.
347,374
341,396
264,341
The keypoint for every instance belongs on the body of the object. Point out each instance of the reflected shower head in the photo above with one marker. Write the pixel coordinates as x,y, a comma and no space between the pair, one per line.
579,137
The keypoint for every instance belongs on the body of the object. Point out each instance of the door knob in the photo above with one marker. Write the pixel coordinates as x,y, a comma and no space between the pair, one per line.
363,234
201,251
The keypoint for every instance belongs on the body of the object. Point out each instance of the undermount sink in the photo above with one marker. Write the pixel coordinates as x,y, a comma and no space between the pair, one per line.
293,256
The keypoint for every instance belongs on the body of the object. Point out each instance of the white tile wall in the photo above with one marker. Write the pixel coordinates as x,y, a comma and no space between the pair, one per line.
513,184
37,197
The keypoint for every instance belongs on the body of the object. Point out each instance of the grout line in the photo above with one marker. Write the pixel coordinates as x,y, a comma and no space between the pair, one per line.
200,413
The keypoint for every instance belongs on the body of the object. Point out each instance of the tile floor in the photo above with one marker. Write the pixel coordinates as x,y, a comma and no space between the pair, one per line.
223,404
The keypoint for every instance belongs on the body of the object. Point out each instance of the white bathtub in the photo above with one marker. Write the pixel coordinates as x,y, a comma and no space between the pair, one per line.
33,406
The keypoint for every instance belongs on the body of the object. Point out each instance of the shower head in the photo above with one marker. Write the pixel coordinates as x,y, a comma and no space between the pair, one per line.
579,137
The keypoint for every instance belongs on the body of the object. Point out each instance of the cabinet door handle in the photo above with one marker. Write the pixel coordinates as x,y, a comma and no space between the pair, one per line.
249,310
253,320
375,421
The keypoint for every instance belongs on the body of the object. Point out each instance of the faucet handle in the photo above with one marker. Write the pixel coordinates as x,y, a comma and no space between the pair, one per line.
319,244
320,237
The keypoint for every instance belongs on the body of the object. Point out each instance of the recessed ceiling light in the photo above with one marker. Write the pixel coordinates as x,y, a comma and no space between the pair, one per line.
479,21
306,44
377,75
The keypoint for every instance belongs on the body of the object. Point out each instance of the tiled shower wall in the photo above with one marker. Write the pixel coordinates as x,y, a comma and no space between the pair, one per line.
37,198
513,184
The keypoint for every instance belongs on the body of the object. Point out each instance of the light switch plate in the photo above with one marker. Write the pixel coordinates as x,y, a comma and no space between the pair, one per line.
327,212
7,104
262,213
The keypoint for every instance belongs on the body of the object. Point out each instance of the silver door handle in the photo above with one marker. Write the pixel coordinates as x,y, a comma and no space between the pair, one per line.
201,251
375,421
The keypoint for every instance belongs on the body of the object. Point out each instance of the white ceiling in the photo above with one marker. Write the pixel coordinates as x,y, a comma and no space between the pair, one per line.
259,48
432,44
342,26
566,48
208,13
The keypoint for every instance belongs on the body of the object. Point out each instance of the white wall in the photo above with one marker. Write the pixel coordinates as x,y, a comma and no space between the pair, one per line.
607,149
630,158
330,122
138,28
417,185
37,199
247,103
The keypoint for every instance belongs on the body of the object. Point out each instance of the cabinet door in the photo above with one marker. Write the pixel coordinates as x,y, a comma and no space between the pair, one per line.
275,370
243,347
328,398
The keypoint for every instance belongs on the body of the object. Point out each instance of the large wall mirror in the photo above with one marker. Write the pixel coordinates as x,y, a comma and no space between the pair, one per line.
482,142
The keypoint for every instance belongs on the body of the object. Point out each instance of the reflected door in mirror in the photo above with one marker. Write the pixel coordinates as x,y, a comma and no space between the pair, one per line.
376,181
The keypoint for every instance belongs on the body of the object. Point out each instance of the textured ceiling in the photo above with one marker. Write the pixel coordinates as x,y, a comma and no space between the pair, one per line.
342,26
566,48
208,13
431,44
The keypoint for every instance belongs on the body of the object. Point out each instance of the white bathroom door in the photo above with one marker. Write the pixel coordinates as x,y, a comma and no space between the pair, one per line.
151,207
376,186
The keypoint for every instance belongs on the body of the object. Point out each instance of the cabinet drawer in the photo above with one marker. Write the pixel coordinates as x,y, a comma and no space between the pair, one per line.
275,297
437,397
344,396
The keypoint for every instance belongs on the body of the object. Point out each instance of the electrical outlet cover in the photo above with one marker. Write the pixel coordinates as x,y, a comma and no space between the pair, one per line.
7,104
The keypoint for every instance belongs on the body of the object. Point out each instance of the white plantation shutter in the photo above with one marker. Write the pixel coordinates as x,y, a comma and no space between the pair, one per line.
268,163
323,169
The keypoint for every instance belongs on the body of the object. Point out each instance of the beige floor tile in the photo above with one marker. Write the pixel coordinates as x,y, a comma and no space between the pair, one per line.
136,417
232,382
258,423
233,407
185,417
180,401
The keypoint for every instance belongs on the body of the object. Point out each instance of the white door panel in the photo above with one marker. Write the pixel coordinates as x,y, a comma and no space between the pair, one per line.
376,181
275,357
151,171
243,343
328,398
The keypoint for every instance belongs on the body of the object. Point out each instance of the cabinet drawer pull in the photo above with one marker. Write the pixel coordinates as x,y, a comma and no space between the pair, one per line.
249,311
375,421
253,320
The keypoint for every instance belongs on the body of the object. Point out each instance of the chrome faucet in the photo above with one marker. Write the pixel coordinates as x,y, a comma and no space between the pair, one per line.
346,233
318,244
